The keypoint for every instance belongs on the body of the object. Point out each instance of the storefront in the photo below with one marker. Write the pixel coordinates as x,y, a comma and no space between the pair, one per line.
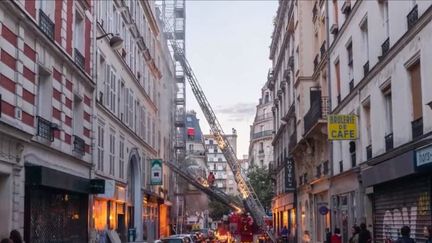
110,211
150,217
346,202
321,202
55,201
284,213
400,193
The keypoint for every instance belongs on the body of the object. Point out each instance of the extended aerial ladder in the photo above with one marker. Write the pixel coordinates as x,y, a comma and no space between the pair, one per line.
249,197
201,184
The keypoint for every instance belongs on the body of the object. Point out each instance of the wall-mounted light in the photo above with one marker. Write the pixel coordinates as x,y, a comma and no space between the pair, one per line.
430,104
116,42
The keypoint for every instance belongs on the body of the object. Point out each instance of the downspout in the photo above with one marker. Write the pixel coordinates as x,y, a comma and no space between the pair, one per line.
330,143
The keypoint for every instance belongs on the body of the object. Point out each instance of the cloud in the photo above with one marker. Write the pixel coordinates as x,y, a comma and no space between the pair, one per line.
237,112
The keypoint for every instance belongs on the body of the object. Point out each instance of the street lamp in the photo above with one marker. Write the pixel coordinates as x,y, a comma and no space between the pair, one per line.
116,42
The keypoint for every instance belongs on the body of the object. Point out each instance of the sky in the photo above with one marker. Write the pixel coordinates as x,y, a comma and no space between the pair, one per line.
227,45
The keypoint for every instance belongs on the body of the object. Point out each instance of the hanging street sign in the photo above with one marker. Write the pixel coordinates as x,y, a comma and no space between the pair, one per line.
342,127
156,172
289,175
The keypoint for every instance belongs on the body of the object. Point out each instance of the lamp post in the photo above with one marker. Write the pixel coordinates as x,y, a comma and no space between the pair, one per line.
116,42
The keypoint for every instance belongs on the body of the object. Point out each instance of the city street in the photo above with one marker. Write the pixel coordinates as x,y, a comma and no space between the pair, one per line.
182,121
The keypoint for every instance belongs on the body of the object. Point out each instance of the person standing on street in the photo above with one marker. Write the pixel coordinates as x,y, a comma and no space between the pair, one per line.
405,232
328,235
284,234
428,233
355,234
364,235
336,237
15,236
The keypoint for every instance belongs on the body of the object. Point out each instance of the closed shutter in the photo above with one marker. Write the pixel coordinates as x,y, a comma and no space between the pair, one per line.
405,202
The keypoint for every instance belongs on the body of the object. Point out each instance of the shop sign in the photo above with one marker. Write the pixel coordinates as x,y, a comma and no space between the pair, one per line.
342,127
323,210
424,156
109,189
289,175
156,172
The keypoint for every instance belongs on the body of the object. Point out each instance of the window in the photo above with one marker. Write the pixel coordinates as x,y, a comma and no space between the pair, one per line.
112,153
129,108
48,8
335,12
100,165
365,36
416,90
267,98
367,120
388,110
121,158
261,147
78,32
385,16
112,91
121,100
350,59
45,91
211,142
78,117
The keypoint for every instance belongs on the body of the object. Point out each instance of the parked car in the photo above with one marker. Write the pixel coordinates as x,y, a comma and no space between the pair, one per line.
204,234
176,239
191,237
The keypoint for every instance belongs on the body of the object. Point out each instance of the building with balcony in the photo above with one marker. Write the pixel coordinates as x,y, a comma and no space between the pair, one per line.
280,81
196,202
217,163
133,124
46,102
261,132
378,59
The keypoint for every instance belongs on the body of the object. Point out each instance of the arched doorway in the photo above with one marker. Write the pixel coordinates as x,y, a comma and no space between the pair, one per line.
134,193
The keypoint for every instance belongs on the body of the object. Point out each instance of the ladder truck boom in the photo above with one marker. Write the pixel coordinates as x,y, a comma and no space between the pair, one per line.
201,184
249,197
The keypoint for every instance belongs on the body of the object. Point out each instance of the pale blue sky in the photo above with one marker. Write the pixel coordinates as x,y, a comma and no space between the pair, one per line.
227,46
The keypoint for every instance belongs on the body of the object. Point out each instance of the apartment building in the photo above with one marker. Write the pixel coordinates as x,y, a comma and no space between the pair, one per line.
46,93
261,134
133,125
377,60
217,163
196,202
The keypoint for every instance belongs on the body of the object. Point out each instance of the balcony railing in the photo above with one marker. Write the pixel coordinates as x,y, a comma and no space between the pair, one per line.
46,24
44,129
261,151
366,68
263,117
323,49
262,134
78,145
315,62
388,141
369,152
412,17
317,111
79,58
385,47
351,85
417,128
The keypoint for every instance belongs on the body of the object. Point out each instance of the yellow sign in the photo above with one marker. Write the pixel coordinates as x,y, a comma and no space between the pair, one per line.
196,227
342,127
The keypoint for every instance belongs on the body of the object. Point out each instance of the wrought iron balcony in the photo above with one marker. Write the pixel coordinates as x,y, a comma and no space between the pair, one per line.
366,68
44,129
385,47
79,58
369,152
315,62
412,17
351,85
323,49
262,134
317,111
46,24
388,141
78,145
417,128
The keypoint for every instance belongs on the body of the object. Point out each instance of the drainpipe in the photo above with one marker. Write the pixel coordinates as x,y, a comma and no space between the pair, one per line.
93,138
330,143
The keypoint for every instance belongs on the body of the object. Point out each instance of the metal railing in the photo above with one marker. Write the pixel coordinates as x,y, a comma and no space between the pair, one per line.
351,85
79,58
263,117
78,145
369,152
385,47
44,129
412,17
389,142
318,110
417,127
366,68
46,24
262,134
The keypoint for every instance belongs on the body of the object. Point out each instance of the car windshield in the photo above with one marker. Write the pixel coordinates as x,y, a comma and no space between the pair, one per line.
172,241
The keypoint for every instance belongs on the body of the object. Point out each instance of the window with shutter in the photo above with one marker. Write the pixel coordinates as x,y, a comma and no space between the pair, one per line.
107,85
112,103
